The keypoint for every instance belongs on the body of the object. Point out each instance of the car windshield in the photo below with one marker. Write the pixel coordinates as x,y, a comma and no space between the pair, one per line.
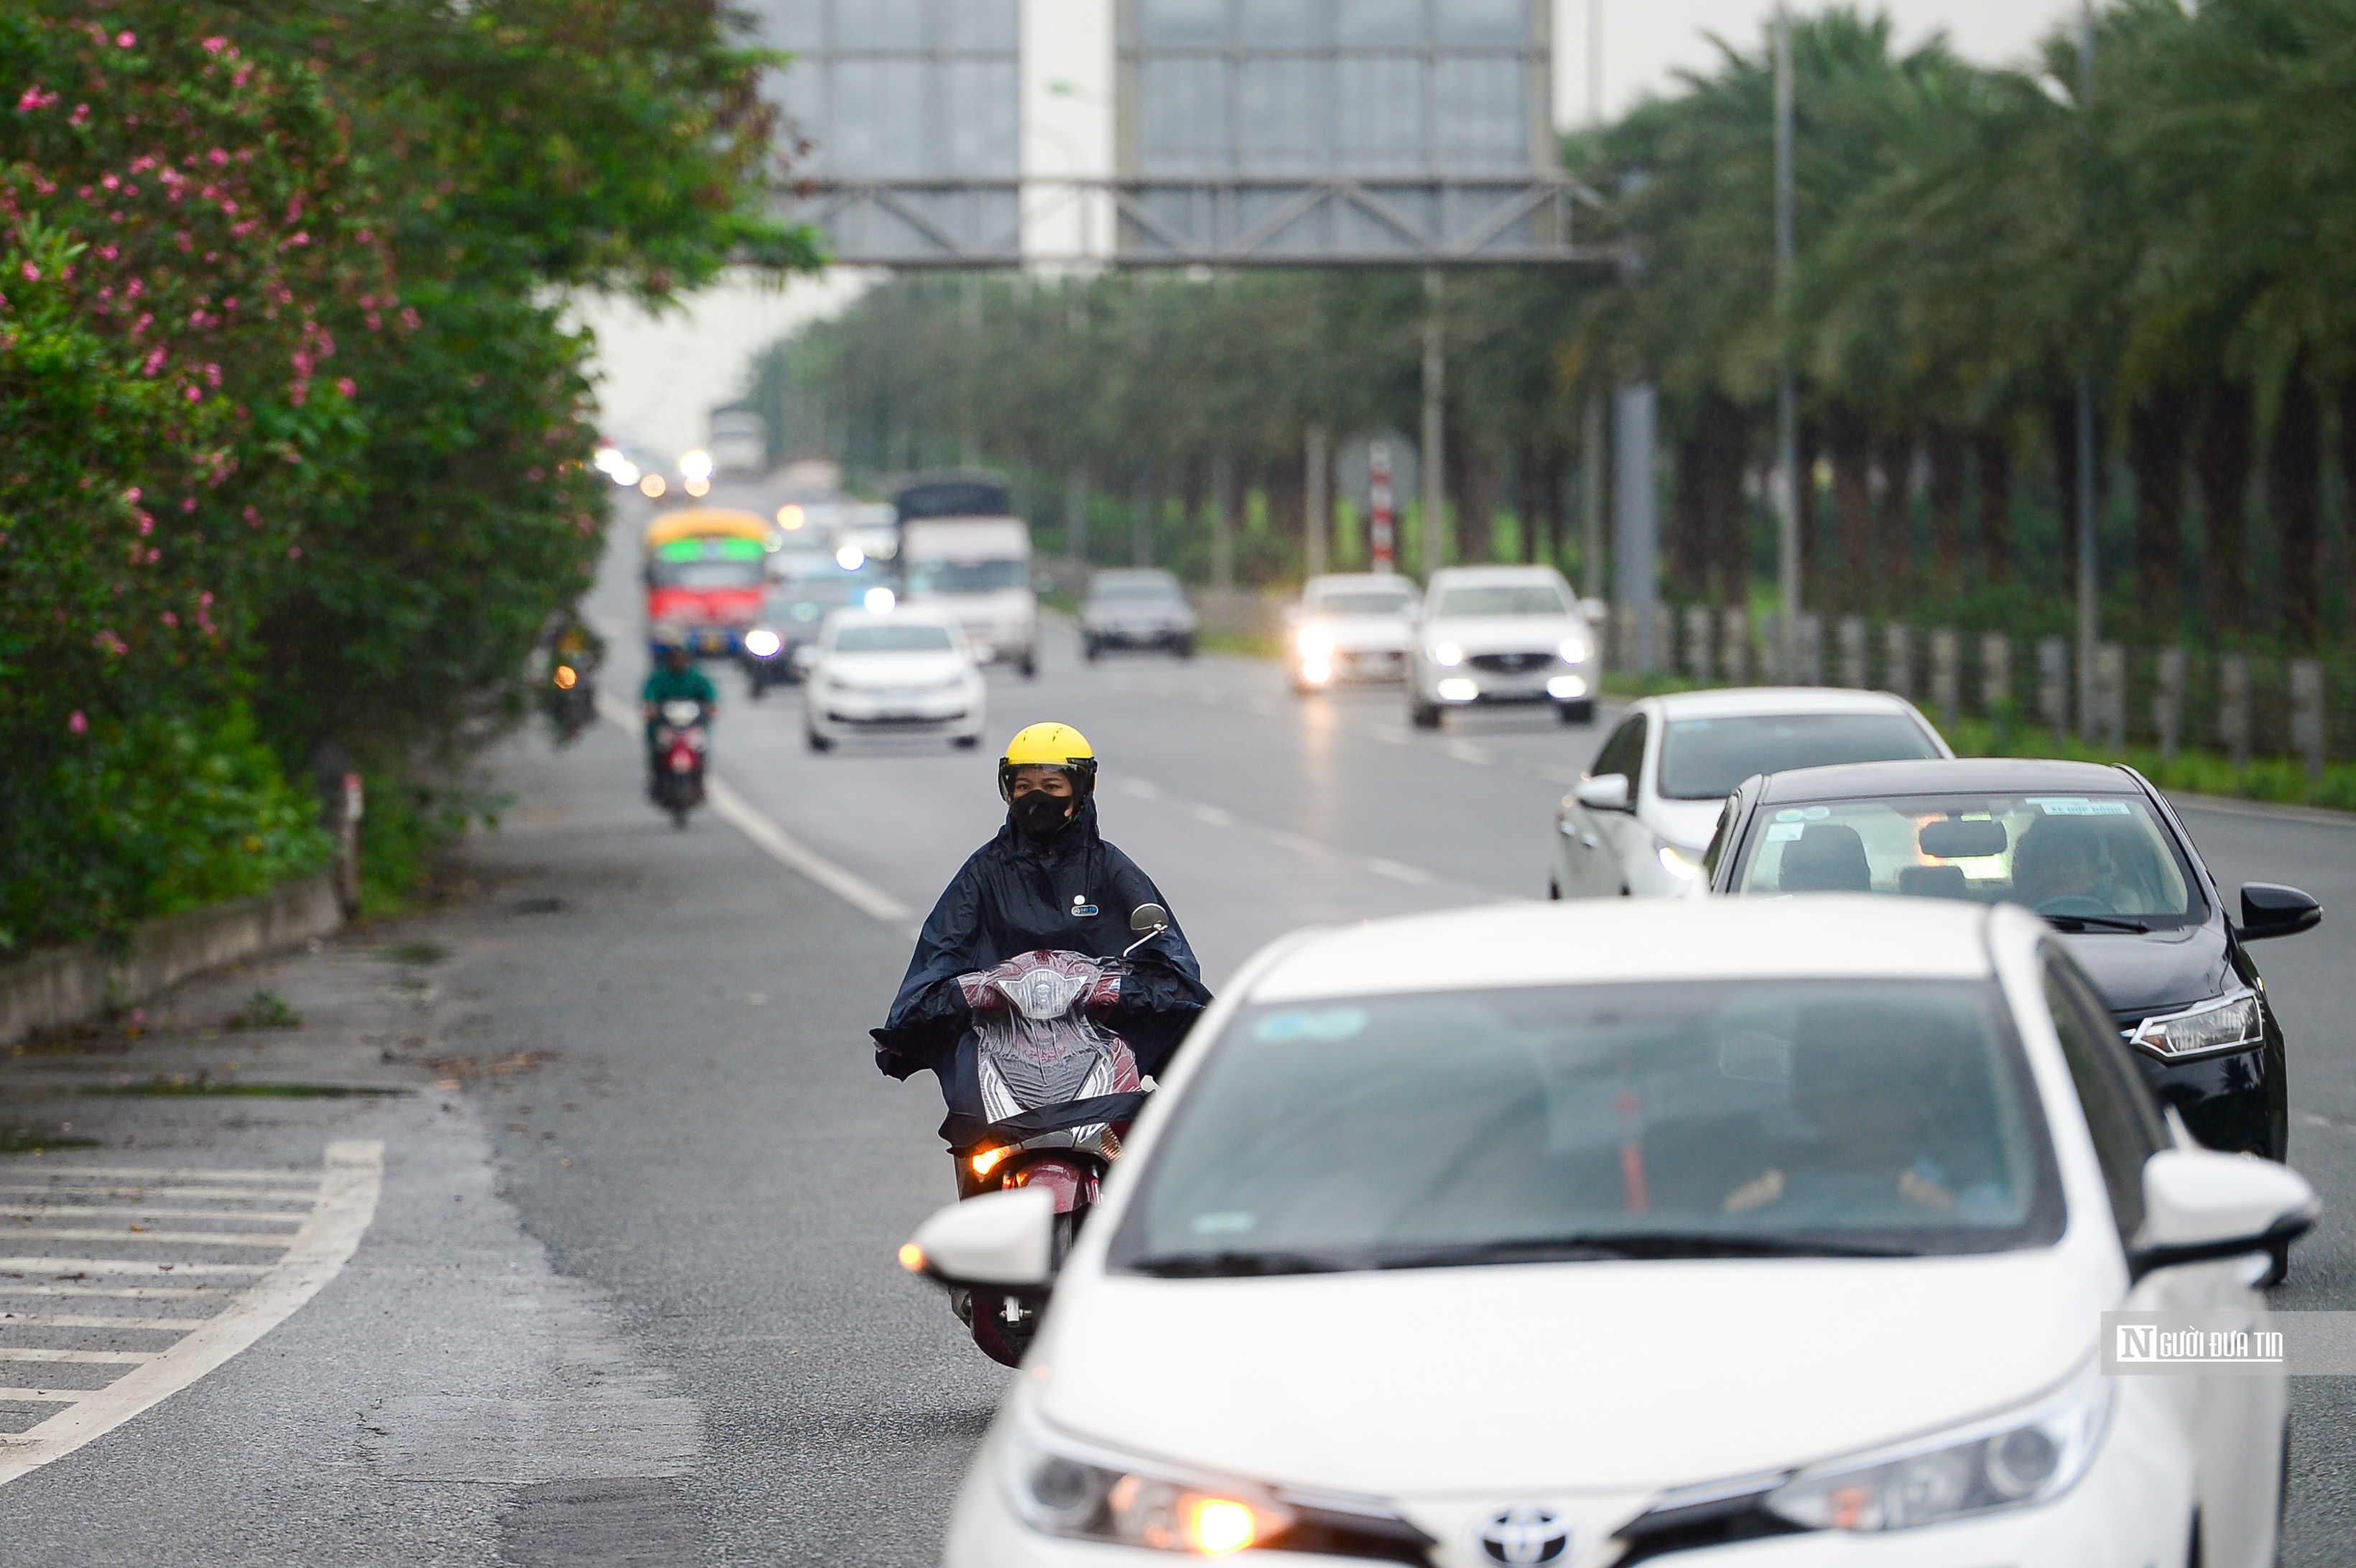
1717,1119
1134,593
722,573
1704,759
1372,602
2104,860
965,576
905,638
1503,599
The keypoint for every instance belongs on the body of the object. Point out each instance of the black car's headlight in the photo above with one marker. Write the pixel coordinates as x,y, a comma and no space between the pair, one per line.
2229,1023
2021,1458
1061,1485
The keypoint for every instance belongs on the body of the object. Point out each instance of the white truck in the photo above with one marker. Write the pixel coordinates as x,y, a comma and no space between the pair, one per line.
977,571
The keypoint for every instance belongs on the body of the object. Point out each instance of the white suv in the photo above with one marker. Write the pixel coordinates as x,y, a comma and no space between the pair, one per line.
1502,634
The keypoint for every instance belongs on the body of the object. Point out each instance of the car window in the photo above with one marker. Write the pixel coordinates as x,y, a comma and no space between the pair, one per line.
2089,856
1372,602
1624,752
1130,593
1503,599
1458,1127
966,576
2121,1114
917,639
1704,760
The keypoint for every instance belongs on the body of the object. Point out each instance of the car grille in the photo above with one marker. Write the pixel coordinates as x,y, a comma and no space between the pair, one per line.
1511,663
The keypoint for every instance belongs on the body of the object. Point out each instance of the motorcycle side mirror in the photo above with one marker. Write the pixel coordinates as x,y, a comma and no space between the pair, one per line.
1149,921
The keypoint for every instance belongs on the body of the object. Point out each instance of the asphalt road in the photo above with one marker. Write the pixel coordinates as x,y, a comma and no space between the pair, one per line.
667,1185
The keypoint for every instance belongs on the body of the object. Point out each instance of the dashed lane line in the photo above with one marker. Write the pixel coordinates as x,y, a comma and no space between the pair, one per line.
40,1396
345,1204
83,1357
100,1210
184,1175
177,1238
774,841
1398,873
57,1267
119,1292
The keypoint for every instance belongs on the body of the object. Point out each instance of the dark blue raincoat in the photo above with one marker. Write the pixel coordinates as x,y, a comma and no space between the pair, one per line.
1015,895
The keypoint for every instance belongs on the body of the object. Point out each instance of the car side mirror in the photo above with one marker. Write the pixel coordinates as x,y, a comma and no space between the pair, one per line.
1000,1240
1604,792
2270,909
2201,1205
1595,612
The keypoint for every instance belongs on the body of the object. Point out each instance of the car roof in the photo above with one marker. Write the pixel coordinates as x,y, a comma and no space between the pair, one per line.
1942,776
1612,941
1359,580
1477,575
1742,701
903,615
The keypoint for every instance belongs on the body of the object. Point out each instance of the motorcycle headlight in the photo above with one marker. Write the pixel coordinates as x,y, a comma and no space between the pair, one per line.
2224,1023
761,643
1062,1487
2025,1458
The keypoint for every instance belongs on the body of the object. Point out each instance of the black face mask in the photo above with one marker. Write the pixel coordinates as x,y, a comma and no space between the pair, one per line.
1039,814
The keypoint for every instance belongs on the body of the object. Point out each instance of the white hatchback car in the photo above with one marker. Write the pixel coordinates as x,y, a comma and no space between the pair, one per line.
1351,627
1502,634
1777,1233
901,672
1637,824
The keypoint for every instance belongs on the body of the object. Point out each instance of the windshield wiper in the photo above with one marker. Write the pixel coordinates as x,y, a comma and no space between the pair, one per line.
1641,1245
1235,1265
2087,922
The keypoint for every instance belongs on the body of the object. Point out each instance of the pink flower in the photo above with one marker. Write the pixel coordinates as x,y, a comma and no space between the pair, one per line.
217,156
344,385
187,503
32,273
191,394
171,620
81,116
131,494
77,723
35,98
293,553
215,43
127,39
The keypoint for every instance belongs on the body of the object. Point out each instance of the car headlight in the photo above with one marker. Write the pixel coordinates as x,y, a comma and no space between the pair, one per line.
2224,1023
2025,1458
1573,650
1447,655
1060,1488
1458,689
1316,643
761,643
1677,862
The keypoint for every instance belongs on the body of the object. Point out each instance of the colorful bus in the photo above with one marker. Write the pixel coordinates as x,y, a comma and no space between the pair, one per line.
704,569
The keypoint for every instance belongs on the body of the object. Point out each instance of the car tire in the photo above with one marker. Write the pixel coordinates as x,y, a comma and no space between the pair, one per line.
1422,715
817,741
1575,712
1554,888
1184,647
1091,650
1030,665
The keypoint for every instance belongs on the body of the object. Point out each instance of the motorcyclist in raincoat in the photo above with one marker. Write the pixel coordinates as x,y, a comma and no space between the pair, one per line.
1048,880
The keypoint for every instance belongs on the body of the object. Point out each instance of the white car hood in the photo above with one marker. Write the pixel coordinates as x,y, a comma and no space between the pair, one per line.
895,672
1506,634
1555,1379
1685,823
1363,634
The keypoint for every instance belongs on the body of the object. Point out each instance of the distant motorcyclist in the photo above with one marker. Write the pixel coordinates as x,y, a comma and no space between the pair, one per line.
675,680
1047,881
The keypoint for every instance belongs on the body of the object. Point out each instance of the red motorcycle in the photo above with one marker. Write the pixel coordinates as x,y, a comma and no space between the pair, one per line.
1060,1090
681,738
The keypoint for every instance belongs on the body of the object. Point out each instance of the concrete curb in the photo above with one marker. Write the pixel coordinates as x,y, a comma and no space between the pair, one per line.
70,985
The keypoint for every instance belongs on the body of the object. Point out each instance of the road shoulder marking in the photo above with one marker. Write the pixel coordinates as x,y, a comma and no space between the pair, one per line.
346,1205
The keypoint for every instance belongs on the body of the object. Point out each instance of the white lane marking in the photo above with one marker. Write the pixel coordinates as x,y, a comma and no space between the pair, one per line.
355,1174
1393,737
774,841
1393,869
1138,788
100,1320
1210,816
1298,843
100,1210
45,1396
123,1233
2310,816
1465,751
85,1357
309,1184
118,1194
56,1266
125,1293
795,856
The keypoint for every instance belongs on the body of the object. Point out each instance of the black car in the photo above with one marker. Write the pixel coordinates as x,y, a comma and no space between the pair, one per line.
2100,854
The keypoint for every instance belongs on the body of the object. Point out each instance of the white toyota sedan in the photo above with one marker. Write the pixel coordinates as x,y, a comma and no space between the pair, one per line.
1502,634
1351,627
900,671
1769,1233
1637,824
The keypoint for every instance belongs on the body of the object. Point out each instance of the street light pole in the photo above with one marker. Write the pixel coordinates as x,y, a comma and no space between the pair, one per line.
1591,427
1787,416
2089,600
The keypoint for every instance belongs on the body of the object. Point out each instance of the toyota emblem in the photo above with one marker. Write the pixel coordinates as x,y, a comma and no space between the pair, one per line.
1526,1534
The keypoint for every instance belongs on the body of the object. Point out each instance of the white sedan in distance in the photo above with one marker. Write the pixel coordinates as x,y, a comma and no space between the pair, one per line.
1351,627
1502,634
1765,1235
1637,824
904,672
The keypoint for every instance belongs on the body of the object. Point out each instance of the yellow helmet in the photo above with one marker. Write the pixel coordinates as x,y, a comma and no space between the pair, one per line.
1049,745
